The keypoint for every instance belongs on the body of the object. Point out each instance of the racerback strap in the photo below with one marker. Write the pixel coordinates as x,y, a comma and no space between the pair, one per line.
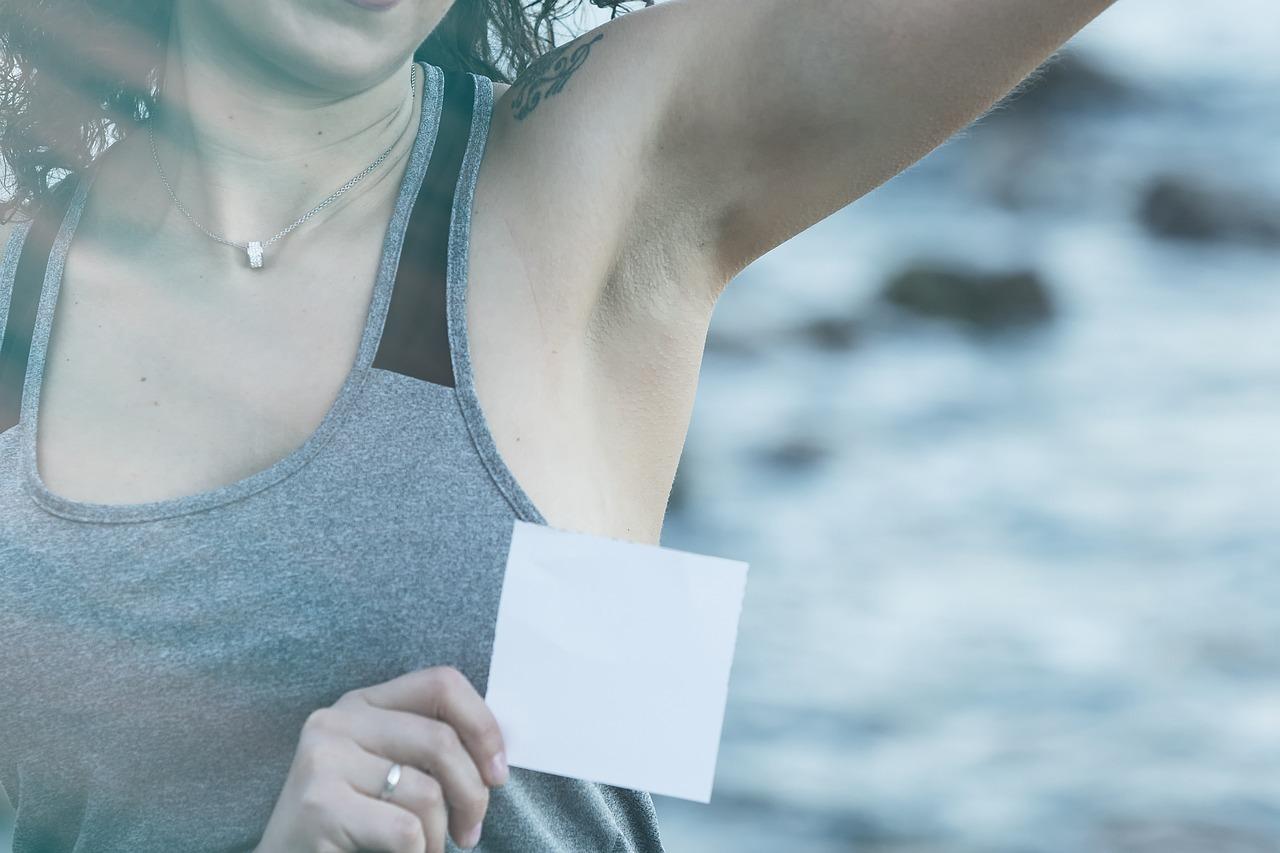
415,337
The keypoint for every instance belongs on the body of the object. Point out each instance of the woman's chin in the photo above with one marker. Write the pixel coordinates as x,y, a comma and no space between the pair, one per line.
337,45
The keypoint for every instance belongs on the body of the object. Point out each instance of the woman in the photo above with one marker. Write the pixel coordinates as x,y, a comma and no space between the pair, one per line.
281,365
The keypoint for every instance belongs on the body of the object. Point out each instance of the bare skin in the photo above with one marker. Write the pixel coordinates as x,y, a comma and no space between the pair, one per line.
605,227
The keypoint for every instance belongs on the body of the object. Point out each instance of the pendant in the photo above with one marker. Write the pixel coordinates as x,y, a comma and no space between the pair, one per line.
255,254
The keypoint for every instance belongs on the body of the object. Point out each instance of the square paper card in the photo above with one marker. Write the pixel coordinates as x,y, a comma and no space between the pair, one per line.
611,659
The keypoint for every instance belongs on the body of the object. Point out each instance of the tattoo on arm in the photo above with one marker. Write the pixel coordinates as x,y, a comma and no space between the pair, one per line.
547,75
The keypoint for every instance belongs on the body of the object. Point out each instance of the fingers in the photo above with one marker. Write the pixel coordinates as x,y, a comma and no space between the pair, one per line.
431,722
374,824
445,694
416,792
433,748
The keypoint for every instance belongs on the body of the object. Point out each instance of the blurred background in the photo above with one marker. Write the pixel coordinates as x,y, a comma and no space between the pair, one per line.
999,441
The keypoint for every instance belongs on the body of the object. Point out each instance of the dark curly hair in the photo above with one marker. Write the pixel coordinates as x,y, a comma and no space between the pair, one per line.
75,75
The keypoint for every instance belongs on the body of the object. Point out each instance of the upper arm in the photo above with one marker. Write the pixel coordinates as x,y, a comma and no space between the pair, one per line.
568,171
661,152
772,114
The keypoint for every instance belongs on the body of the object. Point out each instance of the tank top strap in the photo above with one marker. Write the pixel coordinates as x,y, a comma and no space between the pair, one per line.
22,275
415,338
417,334
425,334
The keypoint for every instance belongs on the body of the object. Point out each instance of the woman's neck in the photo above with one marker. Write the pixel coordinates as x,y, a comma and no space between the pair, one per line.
248,148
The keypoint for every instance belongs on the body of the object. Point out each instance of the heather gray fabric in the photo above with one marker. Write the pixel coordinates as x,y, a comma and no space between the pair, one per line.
159,659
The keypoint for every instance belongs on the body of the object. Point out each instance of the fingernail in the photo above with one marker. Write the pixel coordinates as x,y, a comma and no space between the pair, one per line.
470,838
498,767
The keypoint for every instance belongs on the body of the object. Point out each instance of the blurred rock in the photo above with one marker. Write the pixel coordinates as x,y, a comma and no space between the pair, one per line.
1190,208
831,333
1169,836
982,301
1236,654
720,342
827,332
795,453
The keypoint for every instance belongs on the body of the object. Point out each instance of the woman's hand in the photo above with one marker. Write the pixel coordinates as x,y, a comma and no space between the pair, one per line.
430,721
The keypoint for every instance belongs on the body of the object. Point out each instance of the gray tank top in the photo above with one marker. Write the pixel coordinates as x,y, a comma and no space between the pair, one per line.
159,659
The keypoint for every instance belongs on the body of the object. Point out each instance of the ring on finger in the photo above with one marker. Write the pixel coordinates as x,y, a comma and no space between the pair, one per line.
389,784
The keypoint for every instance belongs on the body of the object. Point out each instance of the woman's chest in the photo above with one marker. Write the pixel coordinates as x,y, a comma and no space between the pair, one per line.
358,567
171,665
147,396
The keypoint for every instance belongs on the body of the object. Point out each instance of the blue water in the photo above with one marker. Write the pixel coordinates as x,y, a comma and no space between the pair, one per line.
1022,595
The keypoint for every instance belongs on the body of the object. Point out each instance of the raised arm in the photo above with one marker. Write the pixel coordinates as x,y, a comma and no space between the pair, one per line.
769,115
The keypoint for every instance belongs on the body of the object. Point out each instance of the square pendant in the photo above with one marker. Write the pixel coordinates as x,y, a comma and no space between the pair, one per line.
255,254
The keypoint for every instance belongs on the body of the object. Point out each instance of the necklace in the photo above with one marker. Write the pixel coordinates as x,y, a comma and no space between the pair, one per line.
256,248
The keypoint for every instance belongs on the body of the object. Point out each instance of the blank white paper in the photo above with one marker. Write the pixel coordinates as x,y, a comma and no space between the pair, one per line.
611,659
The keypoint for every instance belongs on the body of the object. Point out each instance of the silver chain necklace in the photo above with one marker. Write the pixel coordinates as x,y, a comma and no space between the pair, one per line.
255,248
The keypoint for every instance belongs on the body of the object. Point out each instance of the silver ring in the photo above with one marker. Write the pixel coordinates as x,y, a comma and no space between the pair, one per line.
389,785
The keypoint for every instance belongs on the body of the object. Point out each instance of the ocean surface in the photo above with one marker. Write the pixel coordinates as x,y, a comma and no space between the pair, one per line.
1012,593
